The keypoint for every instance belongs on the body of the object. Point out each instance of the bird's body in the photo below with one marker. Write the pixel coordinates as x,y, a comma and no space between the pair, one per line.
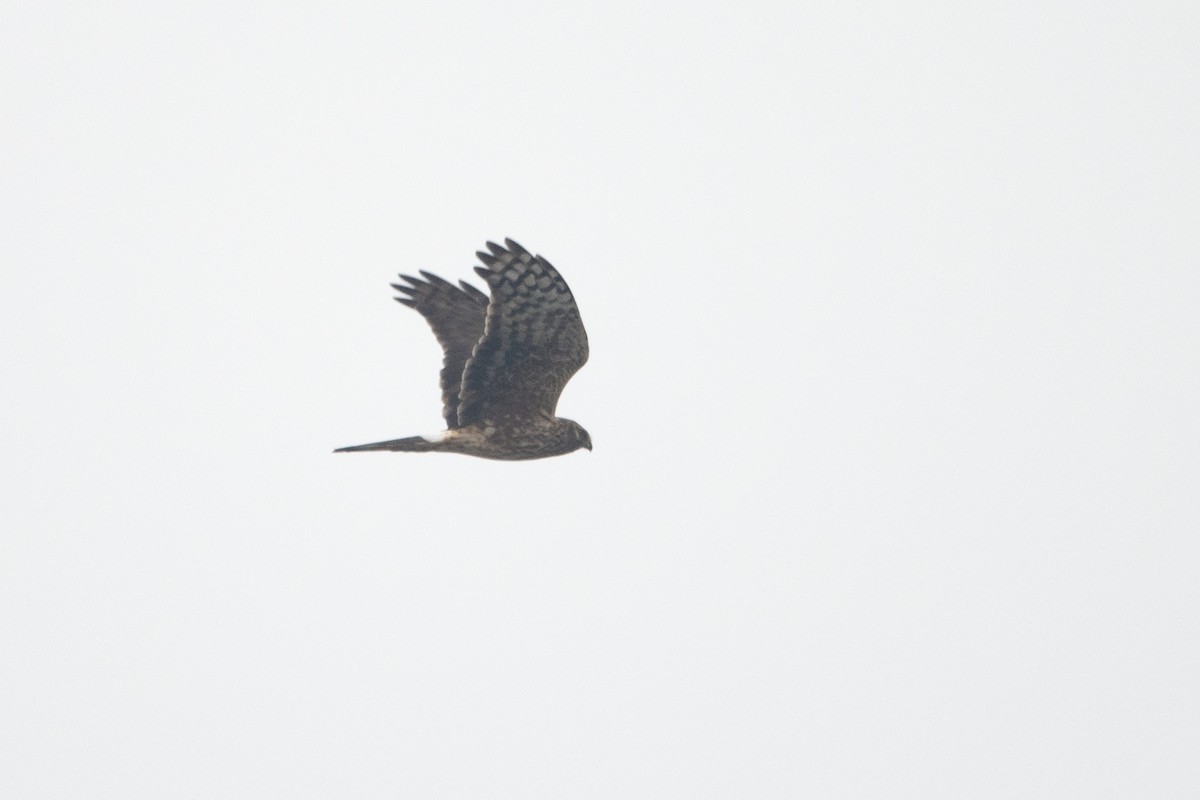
506,362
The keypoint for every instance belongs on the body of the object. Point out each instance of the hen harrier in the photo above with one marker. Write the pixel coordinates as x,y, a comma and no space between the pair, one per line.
506,359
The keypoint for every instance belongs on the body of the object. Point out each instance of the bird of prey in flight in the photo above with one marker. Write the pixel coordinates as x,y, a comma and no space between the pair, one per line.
507,358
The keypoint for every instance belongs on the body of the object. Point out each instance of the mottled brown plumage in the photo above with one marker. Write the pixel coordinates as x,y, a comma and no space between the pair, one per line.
506,360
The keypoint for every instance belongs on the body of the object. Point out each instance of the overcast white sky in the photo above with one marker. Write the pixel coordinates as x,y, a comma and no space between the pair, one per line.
893,388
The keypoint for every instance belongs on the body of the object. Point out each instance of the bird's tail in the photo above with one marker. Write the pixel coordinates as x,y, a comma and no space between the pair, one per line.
410,444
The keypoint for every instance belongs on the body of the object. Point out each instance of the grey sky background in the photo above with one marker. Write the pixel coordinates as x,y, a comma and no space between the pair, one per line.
893,318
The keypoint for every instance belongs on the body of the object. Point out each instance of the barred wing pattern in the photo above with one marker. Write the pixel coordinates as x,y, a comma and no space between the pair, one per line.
533,341
456,314
507,359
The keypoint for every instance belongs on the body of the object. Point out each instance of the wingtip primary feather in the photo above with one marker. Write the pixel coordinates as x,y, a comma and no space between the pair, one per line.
436,280
473,291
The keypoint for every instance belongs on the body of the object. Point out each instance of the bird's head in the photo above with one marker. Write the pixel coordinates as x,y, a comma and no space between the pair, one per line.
580,437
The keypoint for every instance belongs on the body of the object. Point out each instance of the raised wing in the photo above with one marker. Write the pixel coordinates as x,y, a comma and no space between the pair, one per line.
456,314
532,344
